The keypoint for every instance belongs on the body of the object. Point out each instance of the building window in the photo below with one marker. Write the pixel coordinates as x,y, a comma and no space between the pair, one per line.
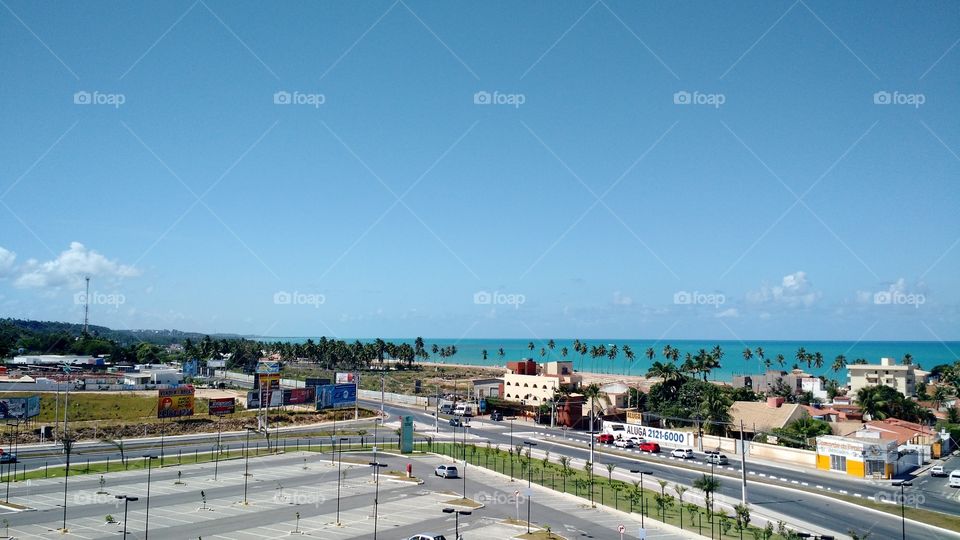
875,467
838,463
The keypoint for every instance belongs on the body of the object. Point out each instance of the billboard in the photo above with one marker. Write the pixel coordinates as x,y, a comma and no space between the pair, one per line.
665,437
298,396
222,406
175,402
253,399
268,366
314,382
344,378
19,408
191,367
267,380
336,395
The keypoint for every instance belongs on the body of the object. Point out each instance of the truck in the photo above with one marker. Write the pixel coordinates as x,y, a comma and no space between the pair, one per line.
465,409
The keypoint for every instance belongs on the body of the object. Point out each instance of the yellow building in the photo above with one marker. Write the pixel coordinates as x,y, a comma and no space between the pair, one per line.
863,458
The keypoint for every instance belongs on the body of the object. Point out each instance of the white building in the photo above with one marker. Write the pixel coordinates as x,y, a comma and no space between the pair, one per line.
904,379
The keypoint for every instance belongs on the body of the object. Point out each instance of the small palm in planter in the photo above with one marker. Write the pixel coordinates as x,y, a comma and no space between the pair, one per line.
109,519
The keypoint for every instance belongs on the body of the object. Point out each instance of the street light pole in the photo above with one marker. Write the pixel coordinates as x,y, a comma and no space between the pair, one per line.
642,498
457,514
126,500
246,463
903,516
511,447
146,525
530,446
376,497
339,475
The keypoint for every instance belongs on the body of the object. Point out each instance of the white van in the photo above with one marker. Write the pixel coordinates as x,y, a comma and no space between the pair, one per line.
465,409
955,478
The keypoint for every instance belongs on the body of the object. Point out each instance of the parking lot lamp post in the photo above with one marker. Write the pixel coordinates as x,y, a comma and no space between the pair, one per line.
339,475
511,446
246,462
642,498
457,514
126,500
903,518
146,525
376,496
530,446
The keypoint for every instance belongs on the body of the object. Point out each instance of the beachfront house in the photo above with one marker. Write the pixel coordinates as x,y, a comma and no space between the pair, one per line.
901,378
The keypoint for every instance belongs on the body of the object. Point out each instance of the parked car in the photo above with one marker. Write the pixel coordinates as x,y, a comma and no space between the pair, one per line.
428,537
650,447
496,416
7,457
623,443
456,422
446,471
682,453
605,438
717,459
938,470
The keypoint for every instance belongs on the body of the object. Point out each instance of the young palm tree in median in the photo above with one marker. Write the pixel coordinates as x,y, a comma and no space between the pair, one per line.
708,485
680,491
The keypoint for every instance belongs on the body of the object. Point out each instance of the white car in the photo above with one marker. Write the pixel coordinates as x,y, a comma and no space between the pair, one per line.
636,440
938,470
623,443
428,537
682,453
446,471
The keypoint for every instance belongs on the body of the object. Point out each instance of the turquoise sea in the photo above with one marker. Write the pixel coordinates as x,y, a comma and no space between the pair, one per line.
469,351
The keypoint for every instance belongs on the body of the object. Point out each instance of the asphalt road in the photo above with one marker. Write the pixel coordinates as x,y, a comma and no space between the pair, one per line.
833,515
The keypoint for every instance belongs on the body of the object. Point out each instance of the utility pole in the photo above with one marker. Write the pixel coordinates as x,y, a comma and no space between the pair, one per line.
86,307
743,467
356,405
382,382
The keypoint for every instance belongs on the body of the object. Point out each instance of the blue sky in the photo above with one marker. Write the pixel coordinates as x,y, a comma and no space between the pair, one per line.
765,170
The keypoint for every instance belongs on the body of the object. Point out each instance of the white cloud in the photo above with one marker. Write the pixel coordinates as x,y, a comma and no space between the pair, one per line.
729,313
794,290
621,299
6,262
69,269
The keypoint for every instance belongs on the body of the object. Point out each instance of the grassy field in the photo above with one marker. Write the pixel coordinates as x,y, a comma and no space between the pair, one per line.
450,379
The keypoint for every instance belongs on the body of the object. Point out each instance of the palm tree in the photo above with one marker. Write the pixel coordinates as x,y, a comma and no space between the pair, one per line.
501,354
680,491
610,468
651,354
666,372
628,353
781,360
708,485
715,410
839,363
484,353
801,355
907,359
563,352
551,344
530,346
817,360
592,392
747,354
612,355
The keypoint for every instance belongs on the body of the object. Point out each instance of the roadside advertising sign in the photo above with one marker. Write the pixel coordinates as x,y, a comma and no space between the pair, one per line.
222,406
343,378
315,381
268,366
336,395
175,402
298,396
20,408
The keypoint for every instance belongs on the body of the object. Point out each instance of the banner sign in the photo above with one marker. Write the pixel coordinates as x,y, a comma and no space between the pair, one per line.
175,402
19,408
268,366
222,406
314,382
344,378
406,434
298,396
267,380
336,395
663,436
253,398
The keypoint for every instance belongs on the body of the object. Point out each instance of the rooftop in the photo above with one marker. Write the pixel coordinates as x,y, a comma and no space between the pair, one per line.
761,416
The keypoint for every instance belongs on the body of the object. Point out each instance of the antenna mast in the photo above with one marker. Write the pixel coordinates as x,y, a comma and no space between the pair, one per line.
86,306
